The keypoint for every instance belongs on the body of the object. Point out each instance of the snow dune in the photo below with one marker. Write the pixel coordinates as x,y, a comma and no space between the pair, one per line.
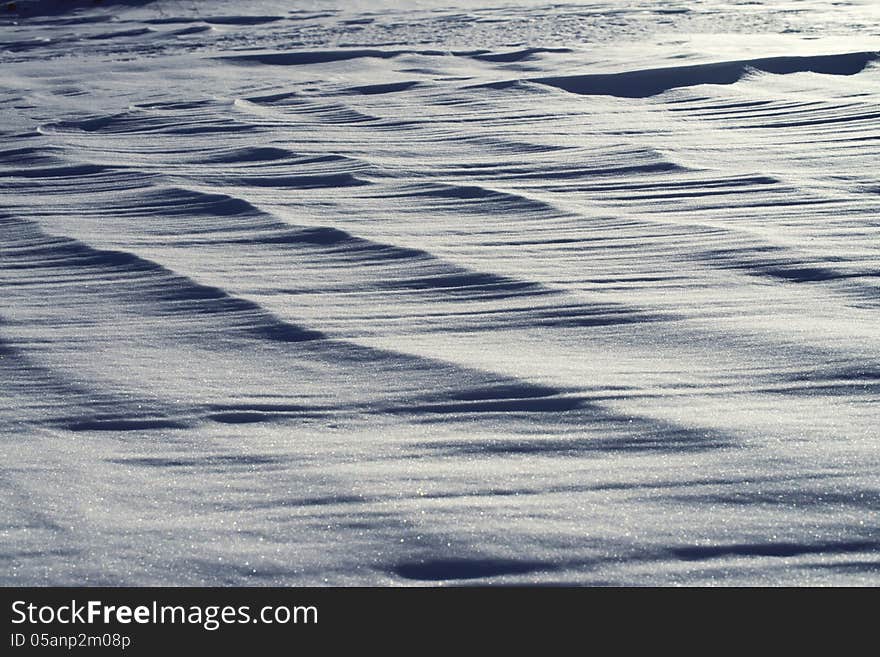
650,82
355,294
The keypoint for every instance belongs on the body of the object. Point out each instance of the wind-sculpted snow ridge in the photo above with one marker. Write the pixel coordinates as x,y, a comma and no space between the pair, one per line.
650,82
439,296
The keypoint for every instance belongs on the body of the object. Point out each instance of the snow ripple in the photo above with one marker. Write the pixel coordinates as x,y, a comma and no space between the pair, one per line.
306,298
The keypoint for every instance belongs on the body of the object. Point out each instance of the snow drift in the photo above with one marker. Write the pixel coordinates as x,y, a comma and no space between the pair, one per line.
538,294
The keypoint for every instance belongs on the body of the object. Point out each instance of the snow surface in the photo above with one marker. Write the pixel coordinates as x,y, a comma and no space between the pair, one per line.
325,292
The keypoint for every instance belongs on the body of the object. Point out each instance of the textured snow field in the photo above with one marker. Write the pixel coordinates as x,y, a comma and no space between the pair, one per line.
342,293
